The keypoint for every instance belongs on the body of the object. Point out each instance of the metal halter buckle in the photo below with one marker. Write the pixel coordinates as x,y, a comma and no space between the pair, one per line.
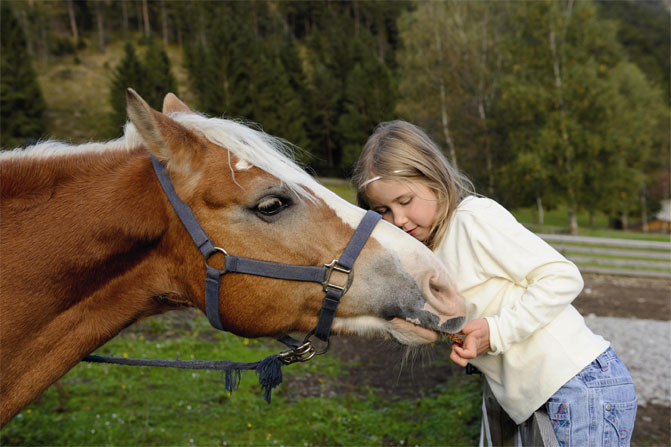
334,265
301,353
304,352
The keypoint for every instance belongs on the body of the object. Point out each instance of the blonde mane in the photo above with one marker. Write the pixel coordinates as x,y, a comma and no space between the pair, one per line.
254,147
268,153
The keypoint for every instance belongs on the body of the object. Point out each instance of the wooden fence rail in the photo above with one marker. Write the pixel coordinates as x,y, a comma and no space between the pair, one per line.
612,256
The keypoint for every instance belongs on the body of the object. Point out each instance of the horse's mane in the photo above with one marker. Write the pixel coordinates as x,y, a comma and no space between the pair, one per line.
268,153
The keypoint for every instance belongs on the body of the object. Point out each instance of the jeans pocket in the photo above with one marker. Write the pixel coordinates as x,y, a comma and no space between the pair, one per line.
560,418
619,420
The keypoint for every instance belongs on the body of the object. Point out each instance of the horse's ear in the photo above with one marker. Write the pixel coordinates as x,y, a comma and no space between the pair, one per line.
168,140
171,103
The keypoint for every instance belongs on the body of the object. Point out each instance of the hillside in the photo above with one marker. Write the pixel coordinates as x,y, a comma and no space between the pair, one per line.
77,91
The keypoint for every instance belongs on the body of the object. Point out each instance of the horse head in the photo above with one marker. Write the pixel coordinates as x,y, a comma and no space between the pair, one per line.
255,202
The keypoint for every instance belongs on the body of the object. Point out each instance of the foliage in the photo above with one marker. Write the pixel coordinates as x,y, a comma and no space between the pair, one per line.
242,65
160,79
96,404
129,73
152,79
22,105
546,104
642,29
323,90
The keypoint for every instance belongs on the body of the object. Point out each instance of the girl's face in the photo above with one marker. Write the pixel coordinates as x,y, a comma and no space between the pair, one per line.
410,206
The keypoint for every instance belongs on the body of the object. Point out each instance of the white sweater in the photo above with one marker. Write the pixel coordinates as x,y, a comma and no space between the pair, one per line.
524,288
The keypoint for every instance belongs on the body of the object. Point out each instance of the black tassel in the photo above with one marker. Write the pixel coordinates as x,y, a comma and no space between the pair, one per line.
232,381
269,371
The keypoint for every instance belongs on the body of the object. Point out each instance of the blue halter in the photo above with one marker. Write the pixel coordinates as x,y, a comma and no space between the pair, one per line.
237,264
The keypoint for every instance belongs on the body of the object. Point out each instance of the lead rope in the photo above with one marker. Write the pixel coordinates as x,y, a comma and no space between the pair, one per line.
269,370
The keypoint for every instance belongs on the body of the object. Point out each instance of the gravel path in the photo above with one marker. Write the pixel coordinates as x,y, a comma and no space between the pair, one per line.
643,345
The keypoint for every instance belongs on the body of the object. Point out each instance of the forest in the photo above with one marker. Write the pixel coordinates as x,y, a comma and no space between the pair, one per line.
557,103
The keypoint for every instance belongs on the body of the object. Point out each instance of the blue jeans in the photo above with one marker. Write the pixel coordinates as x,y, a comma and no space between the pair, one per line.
597,407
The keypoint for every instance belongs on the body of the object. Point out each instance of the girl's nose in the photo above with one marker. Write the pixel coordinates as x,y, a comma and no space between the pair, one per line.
399,219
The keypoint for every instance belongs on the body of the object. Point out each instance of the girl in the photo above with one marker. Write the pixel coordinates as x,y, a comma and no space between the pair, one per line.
528,340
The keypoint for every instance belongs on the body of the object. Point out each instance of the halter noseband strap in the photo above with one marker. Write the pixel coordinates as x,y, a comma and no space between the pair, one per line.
236,264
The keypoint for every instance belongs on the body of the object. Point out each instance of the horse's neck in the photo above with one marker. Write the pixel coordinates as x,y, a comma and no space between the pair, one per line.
75,235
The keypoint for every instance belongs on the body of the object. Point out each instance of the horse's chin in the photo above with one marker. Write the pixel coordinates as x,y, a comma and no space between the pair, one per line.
411,334
405,332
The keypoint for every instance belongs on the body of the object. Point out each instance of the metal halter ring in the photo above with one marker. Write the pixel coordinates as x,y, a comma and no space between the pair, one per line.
307,340
334,265
214,251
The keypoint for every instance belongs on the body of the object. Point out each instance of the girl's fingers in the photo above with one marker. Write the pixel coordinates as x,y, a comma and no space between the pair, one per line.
465,353
457,359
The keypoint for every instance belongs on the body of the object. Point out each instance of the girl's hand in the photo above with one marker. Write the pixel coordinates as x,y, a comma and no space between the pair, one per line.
476,342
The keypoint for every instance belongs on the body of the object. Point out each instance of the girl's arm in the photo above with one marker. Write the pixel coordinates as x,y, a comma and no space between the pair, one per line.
502,248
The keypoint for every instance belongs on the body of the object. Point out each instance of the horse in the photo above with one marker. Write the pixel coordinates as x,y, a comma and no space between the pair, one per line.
90,244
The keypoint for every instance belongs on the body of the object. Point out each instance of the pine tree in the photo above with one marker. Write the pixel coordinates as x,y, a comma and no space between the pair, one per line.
21,102
331,62
219,60
160,80
369,98
130,73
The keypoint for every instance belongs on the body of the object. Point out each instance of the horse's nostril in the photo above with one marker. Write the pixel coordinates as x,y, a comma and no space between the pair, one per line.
453,325
390,312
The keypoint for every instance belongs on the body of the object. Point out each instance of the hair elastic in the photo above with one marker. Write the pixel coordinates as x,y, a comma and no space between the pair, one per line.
377,177
370,180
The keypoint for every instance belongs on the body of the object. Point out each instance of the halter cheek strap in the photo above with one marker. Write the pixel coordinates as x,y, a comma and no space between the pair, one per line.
236,264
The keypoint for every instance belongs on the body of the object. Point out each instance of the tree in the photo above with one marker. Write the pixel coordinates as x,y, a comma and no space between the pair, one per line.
369,98
633,112
247,66
160,80
22,104
220,59
129,73
565,57
449,65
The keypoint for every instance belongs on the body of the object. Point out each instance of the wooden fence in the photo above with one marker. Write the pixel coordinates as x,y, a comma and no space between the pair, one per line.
613,256
499,430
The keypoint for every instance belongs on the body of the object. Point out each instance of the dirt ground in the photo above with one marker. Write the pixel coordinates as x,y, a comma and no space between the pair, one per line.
380,366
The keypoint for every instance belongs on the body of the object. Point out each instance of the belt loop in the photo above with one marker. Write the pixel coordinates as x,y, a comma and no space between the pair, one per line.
602,361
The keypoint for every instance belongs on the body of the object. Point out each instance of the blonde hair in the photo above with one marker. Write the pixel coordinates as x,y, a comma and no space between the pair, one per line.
401,151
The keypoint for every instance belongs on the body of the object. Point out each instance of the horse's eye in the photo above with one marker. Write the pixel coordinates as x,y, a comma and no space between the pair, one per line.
271,205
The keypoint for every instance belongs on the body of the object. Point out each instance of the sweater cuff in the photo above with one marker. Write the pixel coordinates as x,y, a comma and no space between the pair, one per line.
495,342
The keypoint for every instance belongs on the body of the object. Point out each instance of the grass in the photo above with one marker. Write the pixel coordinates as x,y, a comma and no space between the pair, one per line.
98,404
344,190
556,221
